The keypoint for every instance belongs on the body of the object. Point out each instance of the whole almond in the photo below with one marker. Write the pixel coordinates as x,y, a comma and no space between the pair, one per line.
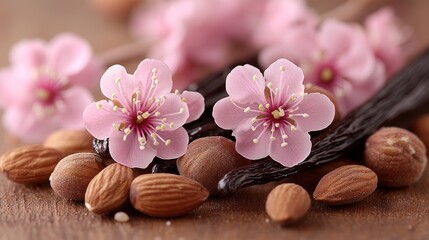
345,185
73,173
166,195
109,189
70,141
30,164
287,203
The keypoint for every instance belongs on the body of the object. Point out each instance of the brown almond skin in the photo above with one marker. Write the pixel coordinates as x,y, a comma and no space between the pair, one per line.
345,185
30,164
73,173
396,155
70,141
287,203
109,189
208,159
166,195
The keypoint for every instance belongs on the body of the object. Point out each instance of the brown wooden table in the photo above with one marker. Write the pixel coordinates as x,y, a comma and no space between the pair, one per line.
35,212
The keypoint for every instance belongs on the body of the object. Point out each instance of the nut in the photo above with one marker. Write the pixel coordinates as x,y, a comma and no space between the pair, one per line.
30,164
311,88
345,185
421,129
70,141
73,173
397,156
208,159
287,203
166,195
109,189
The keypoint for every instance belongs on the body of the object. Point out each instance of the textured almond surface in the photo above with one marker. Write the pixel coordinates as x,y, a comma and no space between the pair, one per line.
70,141
166,195
396,155
345,185
287,203
30,164
73,173
109,189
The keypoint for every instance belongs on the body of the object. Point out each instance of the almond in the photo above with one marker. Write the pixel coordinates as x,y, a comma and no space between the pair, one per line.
345,185
166,195
109,189
73,173
70,141
30,164
287,203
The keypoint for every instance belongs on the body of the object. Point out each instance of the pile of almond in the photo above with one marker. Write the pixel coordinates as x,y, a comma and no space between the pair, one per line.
393,157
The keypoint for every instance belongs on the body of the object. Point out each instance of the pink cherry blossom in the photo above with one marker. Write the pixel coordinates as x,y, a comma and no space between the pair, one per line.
270,115
337,57
193,40
280,17
387,38
142,119
45,88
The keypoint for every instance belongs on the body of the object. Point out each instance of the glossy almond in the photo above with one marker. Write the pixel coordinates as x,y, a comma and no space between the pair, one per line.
30,164
166,195
109,189
287,203
73,173
70,141
345,185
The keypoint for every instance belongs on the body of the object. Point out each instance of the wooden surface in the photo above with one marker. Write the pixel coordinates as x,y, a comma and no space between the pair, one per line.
35,212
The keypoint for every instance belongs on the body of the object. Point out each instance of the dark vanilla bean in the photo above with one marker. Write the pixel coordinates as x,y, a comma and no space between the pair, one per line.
402,94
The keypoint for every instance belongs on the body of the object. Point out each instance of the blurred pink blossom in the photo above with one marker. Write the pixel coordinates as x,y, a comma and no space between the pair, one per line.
337,57
270,114
142,119
45,88
388,38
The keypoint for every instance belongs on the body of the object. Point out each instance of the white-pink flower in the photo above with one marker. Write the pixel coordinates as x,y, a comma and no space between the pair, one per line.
270,115
337,57
46,86
142,119
388,38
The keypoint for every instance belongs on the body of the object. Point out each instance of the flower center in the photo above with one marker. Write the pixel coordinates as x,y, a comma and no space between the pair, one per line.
327,75
278,113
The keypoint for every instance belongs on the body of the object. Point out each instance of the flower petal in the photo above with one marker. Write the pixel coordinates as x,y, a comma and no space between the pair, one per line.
297,149
128,152
228,116
195,102
147,71
75,100
68,54
245,84
247,148
89,76
176,147
28,54
285,76
23,123
117,82
320,110
174,110
99,118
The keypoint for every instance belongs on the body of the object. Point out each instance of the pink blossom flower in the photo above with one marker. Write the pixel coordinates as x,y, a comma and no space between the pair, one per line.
338,58
142,119
45,88
387,38
279,17
192,40
271,114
